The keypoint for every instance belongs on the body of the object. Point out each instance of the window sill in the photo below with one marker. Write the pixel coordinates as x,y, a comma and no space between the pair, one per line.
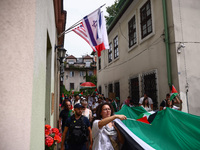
147,37
133,47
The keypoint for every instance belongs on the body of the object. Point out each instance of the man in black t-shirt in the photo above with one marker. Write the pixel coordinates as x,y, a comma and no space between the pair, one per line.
163,103
64,115
79,128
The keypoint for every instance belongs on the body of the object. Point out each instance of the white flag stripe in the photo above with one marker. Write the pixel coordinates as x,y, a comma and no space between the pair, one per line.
81,33
136,138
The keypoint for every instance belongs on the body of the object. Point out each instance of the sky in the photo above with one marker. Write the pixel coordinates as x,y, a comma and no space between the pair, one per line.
76,10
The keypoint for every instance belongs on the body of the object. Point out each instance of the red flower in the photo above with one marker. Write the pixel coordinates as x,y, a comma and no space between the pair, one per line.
59,134
57,138
49,141
46,132
55,130
48,127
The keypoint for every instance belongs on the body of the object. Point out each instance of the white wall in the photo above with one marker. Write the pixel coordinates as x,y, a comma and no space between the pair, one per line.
24,27
186,30
148,55
16,75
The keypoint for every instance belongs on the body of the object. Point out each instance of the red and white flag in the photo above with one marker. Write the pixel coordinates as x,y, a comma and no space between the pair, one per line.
82,33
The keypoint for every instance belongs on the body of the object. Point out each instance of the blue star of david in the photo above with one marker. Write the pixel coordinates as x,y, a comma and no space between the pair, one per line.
94,23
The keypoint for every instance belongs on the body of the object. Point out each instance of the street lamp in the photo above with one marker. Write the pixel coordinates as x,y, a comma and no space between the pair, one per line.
61,54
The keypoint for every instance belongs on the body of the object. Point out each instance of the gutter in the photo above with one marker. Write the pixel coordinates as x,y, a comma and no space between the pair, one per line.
168,57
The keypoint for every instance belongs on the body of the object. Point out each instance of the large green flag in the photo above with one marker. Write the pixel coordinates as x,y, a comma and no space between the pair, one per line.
170,130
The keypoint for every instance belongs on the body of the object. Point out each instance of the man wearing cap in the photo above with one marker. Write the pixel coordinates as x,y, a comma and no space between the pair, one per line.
79,130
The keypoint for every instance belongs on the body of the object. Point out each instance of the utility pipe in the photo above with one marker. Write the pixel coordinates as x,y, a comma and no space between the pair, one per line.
167,43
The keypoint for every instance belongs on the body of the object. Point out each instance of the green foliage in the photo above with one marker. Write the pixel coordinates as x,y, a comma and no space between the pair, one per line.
85,91
112,10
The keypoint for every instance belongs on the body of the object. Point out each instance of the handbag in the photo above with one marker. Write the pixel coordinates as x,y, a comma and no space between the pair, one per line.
114,143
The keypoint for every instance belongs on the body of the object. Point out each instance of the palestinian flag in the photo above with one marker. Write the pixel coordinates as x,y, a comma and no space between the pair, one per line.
96,92
81,94
63,97
149,116
174,93
170,129
143,119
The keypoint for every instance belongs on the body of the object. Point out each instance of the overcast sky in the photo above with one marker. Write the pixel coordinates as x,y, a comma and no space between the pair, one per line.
76,10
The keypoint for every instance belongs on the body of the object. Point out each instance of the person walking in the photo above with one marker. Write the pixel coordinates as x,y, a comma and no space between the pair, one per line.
79,130
105,134
86,111
64,115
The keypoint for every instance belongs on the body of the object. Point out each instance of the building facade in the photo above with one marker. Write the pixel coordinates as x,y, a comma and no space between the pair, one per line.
30,77
153,45
76,70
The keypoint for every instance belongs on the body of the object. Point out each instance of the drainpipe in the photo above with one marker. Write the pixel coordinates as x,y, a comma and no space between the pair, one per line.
167,43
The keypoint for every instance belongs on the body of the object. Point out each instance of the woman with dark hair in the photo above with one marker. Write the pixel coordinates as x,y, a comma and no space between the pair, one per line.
145,104
104,133
170,104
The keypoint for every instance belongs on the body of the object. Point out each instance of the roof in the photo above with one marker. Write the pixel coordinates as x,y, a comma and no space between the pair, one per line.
87,57
71,57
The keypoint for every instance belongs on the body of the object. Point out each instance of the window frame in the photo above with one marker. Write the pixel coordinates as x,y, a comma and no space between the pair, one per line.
71,74
81,73
110,53
99,62
70,86
132,31
144,18
116,49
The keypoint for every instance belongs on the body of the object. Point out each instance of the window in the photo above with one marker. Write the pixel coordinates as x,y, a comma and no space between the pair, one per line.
99,90
146,19
149,86
117,89
116,51
87,64
90,73
71,86
71,74
134,90
71,62
99,63
110,53
81,73
132,32
110,88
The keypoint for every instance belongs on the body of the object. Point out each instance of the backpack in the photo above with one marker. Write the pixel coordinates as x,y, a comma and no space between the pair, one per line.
78,131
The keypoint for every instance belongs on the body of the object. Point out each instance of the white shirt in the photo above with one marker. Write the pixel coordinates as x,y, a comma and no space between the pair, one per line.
149,100
94,105
173,107
147,108
74,103
87,112
100,138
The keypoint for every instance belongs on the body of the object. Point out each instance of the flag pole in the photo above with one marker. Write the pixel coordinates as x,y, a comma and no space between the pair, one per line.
77,23
74,25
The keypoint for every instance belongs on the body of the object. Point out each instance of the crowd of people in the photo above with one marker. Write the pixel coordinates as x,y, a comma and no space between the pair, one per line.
87,121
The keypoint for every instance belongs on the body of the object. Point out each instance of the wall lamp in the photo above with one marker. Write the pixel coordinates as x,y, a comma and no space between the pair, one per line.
180,46
61,52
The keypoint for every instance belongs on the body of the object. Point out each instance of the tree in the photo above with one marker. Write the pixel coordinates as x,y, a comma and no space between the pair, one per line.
112,10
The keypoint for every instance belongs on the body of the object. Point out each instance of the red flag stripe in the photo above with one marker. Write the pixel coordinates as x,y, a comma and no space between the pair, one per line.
82,33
